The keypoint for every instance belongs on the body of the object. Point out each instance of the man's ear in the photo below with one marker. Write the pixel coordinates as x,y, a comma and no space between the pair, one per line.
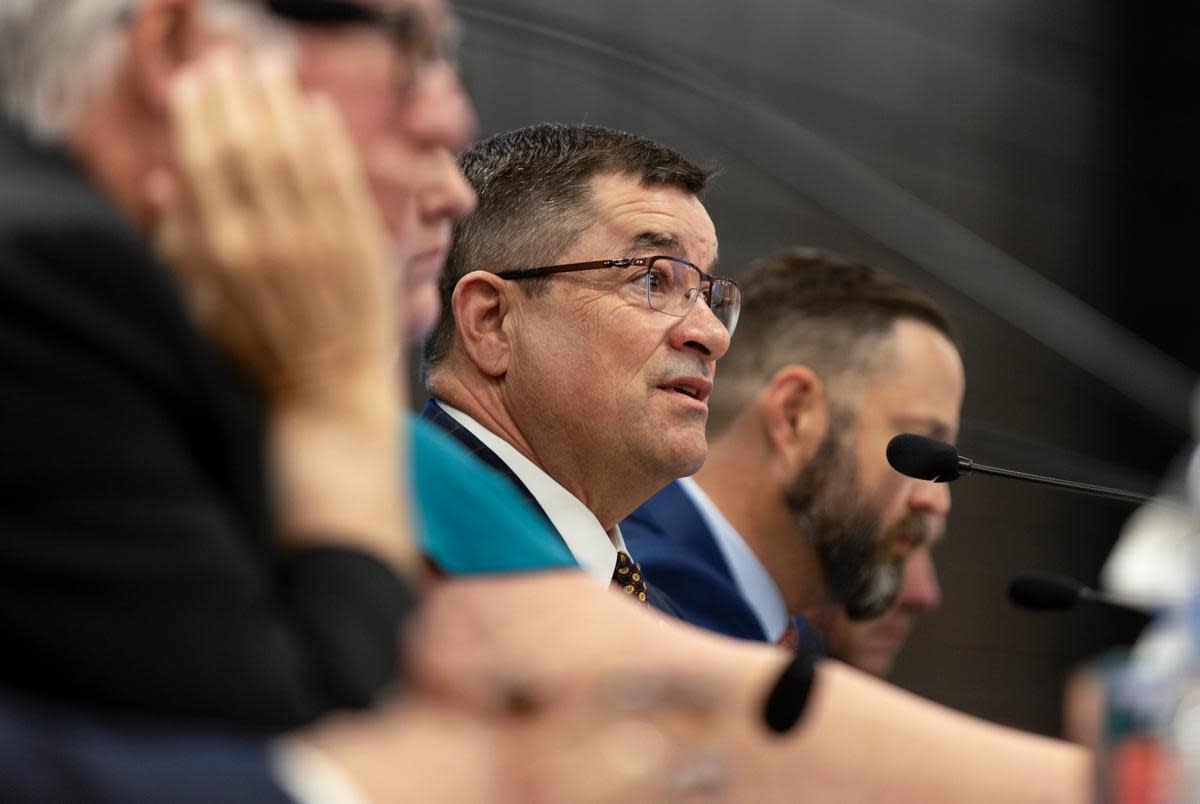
164,36
794,413
480,306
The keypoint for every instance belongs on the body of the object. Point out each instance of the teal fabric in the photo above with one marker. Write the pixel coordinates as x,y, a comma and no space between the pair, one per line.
472,521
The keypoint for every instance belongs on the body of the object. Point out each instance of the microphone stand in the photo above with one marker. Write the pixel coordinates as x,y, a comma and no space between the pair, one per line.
966,466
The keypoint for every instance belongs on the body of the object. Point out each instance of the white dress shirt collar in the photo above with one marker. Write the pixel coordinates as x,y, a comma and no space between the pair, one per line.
749,575
593,547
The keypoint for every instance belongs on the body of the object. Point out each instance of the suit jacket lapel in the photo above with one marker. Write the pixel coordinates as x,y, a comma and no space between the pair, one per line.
435,415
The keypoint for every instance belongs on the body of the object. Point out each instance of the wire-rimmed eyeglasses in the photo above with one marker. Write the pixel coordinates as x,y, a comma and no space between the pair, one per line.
672,284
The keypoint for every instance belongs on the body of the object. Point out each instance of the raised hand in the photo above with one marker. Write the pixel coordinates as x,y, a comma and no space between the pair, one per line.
276,240
276,235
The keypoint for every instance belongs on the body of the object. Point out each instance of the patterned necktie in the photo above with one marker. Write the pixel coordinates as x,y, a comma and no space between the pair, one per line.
628,576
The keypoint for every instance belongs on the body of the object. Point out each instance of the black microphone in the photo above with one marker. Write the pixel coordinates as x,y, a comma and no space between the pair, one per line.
929,459
1049,591
788,697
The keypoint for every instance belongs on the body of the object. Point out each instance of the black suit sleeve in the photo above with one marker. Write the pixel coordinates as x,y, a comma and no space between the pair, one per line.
135,517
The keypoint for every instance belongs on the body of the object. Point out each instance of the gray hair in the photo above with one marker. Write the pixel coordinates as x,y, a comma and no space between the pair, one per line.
54,54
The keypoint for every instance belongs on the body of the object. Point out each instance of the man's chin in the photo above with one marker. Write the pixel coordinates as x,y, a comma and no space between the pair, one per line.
883,645
689,454
876,661
676,460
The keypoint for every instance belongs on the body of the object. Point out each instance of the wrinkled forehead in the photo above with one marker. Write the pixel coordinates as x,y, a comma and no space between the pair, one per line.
638,220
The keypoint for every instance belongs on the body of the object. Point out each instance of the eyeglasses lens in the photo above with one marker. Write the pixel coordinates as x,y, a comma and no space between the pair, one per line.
674,285
725,301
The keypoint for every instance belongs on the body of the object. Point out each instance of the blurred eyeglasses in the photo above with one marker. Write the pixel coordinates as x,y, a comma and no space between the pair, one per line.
419,41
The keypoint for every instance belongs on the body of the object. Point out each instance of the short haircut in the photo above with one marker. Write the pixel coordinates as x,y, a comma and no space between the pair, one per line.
814,308
535,200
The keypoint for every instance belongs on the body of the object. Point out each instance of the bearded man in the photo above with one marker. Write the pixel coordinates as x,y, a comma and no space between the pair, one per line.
796,510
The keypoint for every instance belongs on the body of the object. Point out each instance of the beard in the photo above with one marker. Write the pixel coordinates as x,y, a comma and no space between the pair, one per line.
862,569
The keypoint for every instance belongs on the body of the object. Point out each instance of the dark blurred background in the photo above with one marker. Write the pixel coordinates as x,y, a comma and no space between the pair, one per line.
975,148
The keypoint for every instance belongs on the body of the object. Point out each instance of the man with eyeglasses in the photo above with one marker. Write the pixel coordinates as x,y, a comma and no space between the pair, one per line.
576,348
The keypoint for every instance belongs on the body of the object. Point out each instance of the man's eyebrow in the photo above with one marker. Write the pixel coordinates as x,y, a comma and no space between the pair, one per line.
655,241
661,243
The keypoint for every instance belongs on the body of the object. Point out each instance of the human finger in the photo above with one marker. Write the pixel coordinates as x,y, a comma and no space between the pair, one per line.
200,141
253,166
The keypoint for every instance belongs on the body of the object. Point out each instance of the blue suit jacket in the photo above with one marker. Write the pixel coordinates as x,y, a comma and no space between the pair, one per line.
675,547
435,415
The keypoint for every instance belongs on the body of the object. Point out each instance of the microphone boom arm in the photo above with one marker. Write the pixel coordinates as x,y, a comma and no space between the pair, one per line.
966,466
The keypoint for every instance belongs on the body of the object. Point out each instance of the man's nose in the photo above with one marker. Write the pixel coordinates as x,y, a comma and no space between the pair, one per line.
701,331
927,497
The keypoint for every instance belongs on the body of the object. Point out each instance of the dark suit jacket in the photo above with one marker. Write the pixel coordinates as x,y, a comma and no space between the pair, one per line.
52,753
675,547
434,414
135,515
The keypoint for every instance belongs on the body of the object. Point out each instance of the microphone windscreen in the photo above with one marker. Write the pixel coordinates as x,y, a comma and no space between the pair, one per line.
923,458
1044,591
788,699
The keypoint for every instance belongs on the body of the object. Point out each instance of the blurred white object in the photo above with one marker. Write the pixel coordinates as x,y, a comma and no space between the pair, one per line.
1157,558
1156,561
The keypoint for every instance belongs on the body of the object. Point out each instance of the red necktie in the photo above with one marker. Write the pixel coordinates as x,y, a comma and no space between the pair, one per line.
628,576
